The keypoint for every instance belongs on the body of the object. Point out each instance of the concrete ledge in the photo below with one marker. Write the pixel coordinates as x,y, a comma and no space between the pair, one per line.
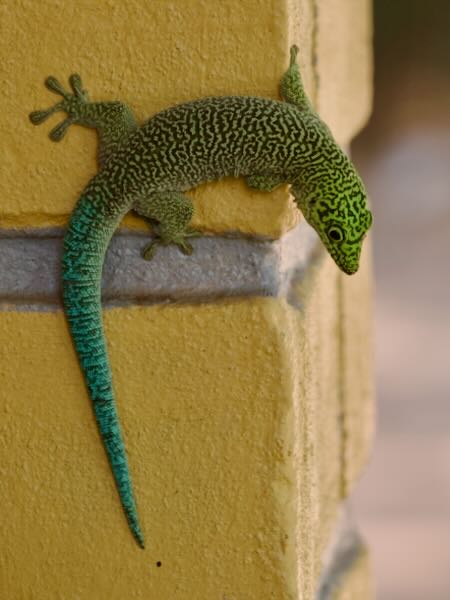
219,267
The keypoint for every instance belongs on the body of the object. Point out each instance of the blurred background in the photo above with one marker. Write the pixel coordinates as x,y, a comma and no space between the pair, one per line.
403,500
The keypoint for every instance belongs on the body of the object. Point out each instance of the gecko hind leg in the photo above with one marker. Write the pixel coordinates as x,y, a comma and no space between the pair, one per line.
172,211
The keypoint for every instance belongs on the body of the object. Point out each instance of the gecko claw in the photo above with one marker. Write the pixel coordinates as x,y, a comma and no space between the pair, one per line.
39,116
148,252
193,233
52,84
185,247
294,52
77,87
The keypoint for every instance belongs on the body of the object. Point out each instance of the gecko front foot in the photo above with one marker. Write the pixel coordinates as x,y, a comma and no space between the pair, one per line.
72,103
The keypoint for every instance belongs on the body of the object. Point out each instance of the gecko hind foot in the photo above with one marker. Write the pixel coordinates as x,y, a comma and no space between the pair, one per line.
149,250
71,104
186,248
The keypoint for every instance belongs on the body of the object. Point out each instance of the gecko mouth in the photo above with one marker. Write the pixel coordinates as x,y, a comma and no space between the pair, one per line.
349,267
350,270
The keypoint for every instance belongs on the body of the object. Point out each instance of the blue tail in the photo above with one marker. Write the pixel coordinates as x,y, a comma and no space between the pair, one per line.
90,230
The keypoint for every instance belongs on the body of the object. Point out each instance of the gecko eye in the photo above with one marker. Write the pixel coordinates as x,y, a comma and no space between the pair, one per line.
336,234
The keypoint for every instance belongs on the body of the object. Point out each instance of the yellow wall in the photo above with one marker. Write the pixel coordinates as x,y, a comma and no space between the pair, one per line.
247,420
200,418
230,415
150,55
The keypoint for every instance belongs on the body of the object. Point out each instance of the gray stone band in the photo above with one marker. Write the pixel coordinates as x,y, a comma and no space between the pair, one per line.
219,267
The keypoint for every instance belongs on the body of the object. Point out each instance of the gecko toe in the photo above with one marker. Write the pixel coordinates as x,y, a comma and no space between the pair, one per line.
52,84
149,251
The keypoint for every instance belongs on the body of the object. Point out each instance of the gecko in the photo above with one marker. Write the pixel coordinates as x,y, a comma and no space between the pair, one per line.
149,167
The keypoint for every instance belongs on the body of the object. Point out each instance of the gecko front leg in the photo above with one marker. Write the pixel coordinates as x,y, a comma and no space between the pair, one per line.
113,121
74,104
172,211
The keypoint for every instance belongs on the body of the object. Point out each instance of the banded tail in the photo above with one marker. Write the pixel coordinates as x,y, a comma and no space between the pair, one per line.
90,230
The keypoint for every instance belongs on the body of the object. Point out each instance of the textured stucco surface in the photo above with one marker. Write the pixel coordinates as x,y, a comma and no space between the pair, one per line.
344,47
277,364
231,414
211,444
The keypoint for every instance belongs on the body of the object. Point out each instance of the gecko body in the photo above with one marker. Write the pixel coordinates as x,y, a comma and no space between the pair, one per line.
148,168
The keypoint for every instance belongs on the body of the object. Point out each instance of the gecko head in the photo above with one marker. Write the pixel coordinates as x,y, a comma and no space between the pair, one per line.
336,206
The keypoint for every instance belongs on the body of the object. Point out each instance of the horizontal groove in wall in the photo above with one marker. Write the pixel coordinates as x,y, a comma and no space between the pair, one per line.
220,267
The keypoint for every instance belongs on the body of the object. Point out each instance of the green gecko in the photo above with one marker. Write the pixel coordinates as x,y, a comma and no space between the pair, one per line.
149,167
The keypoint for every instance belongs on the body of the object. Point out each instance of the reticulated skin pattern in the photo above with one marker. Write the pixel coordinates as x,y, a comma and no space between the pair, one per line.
243,136
149,167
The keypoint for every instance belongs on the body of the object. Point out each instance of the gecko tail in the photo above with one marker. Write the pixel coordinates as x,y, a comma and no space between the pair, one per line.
90,230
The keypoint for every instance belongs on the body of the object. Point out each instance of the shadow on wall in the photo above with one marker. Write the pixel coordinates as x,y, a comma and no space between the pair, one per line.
403,502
